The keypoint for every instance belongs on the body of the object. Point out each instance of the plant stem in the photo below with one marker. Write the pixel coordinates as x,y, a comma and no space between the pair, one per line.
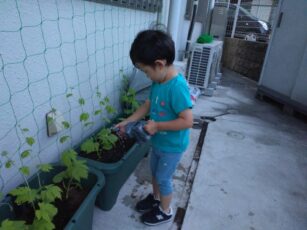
39,180
26,181
68,188
64,186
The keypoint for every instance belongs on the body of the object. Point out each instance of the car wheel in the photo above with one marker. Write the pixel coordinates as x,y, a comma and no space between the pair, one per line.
250,37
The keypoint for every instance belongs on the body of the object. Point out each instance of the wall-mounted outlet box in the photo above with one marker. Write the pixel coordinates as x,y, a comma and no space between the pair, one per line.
54,122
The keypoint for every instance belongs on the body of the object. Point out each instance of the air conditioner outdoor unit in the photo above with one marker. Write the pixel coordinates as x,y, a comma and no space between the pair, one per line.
204,57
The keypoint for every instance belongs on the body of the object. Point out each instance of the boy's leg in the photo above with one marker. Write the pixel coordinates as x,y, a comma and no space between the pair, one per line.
155,188
163,177
166,203
154,161
152,200
164,173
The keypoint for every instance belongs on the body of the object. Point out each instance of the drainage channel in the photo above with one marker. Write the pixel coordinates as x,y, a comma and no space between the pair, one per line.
185,197
202,124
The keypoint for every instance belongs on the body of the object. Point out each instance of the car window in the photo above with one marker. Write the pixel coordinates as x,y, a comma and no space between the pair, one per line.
244,12
232,10
241,12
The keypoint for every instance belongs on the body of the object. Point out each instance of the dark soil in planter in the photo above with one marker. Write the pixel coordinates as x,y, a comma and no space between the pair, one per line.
115,154
66,208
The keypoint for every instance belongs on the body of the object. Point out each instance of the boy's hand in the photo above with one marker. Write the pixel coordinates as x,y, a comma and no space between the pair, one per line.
151,127
121,126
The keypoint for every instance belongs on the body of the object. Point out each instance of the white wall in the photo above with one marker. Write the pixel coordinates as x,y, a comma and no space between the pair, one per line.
182,31
47,47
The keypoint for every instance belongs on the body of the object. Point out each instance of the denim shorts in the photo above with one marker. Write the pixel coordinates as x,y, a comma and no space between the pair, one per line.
163,166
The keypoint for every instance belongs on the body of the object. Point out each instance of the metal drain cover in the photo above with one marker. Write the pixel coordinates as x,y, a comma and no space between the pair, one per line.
236,135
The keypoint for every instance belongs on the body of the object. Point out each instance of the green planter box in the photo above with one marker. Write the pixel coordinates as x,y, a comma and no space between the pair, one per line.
117,173
83,217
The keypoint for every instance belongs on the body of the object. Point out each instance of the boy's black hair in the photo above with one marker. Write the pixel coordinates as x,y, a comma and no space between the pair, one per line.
151,45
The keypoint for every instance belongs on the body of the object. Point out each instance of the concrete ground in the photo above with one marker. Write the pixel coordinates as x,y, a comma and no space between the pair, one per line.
251,174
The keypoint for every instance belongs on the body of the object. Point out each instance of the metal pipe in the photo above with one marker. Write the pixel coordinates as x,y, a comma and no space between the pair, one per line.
235,19
194,11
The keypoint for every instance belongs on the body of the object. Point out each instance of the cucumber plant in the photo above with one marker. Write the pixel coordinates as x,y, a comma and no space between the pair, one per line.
74,172
84,116
40,198
104,139
107,138
128,98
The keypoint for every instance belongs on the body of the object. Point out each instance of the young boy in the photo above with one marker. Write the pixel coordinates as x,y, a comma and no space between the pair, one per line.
171,117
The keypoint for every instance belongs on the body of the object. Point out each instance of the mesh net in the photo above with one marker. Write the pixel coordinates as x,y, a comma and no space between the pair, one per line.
58,55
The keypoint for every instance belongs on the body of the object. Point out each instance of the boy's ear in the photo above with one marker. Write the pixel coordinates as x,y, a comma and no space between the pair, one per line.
160,63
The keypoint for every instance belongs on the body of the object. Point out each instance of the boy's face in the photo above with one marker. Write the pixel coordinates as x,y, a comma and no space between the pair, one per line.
156,73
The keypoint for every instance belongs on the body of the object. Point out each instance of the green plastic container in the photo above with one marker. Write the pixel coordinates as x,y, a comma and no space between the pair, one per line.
117,173
83,218
205,38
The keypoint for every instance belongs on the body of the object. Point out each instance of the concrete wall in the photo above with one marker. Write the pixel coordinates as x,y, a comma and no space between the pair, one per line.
49,49
244,57
180,32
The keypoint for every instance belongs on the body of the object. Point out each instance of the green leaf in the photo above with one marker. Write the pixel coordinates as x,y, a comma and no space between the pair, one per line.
59,177
25,170
113,138
30,140
4,153
66,124
50,192
90,146
69,95
106,99
101,103
88,123
44,167
68,157
107,146
107,120
42,225
98,94
110,109
81,101
79,171
98,112
25,153
107,138
9,164
24,195
13,225
63,139
25,130
121,119
46,212
84,117
131,91
103,133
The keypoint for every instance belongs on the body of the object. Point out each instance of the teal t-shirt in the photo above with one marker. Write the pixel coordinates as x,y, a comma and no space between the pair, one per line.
167,100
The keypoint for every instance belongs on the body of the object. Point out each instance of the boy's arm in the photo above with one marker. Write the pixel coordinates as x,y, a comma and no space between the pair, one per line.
137,115
140,112
184,121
